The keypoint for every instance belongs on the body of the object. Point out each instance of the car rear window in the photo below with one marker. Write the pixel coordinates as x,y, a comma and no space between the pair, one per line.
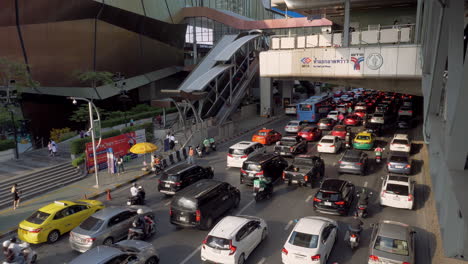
398,159
217,242
185,203
91,224
330,196
233,151
293,123
397,189
38,217
393,246
170,177
363,137
303,240
262,133
251,167
400,141
288,141
326,140
350,159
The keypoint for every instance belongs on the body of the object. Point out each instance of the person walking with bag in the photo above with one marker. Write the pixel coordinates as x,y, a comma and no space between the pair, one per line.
16,197
191,154
49,146
120,165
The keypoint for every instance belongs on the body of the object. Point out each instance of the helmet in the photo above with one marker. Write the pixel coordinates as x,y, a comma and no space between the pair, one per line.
140,188
140,211
6,243
13,240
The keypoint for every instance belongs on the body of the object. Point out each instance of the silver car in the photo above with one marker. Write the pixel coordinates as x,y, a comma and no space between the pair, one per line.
127,251
105,227
391,242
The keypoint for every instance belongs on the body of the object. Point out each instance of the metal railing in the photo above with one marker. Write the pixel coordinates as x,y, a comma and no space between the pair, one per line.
381,35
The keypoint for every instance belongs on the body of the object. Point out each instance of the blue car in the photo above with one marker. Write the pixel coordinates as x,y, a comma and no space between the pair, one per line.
399,162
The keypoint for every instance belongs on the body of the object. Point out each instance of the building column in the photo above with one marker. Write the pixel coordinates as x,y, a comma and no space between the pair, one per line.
266,96
195,48
286,88
346,24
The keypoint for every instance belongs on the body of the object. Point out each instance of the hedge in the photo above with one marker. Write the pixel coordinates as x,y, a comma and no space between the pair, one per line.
148,127
7,144
78,146
117,121
78,161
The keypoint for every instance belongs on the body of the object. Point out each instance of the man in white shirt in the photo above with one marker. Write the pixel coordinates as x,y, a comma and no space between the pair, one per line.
134,189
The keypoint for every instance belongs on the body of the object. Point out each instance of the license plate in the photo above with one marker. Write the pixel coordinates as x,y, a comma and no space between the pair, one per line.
399,167
353,239
236,158
299,257
328,203
167,185
294,181
347,167
183,218
282,153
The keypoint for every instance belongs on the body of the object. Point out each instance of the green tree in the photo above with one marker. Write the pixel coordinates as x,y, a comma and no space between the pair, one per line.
81,115
95,78
18,71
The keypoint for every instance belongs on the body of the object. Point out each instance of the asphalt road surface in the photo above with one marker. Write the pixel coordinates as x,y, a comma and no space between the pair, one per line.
288,203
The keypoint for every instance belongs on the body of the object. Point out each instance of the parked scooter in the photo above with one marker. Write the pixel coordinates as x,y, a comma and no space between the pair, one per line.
137,233
363,202
27,253
262,189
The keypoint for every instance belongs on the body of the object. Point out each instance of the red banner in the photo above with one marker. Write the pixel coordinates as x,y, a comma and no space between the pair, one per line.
120,146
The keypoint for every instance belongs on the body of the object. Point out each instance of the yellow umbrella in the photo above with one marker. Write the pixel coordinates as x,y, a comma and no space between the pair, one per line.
143,148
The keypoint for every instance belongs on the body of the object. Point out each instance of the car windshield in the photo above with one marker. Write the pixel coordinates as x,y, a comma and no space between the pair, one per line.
251,167
91,224
303,240
38,217
303,161
233,151
288,141
391,245
333,113
404,118
363,137
308,129
217,242
330,196
400,141
170,177
262,133
397,189
399,159
327,140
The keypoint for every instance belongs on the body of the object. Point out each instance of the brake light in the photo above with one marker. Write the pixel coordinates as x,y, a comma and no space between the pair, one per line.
229,155
90,240
306,178
340,203
316,257
284,251
243,171
328,124
353,235
159,181
284,175
408,166
291,149
340,162
317,200
388,163
405,262
410,198
410,111
259,173
177,183
359,164
383,193
244,157
374,258
204,242
35,230
332,146
319,145
232,249
170,211
198,216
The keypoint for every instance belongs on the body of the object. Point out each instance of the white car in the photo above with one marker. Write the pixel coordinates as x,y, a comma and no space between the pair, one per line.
311,241
233,239
400,142
293,126
241,151
405,111
378,118
398,192
329,144
333,115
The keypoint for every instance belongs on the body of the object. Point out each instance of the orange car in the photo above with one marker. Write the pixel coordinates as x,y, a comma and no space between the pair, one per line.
266,136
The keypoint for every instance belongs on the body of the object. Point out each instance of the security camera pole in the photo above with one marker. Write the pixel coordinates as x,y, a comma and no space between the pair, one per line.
91,128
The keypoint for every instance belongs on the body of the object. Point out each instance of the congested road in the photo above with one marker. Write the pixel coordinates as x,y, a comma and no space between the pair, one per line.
288,203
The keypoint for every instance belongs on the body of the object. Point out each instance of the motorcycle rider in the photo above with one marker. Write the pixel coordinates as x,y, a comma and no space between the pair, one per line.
8,252
356,225
363,200
378,152
140,222
266,183
134,189
13,251
141,194
206,145
212,144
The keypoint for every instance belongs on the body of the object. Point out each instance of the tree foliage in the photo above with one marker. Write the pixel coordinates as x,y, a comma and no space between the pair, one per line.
81,115
95,78
14,70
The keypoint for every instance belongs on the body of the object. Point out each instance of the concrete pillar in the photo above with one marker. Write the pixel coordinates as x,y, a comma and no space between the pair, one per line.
417,35
346,24
266,96
195,48
286,89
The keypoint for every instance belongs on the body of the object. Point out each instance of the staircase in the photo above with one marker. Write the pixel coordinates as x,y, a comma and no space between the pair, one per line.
39,182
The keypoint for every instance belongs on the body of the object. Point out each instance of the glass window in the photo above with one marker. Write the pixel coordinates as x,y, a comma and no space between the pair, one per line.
327,140
217,242
390,245
363,137
305,107
38,217
251,167
400,141
333,197
186,203
91,224
399,159
397,189
262,133
236,151
170,177
303,240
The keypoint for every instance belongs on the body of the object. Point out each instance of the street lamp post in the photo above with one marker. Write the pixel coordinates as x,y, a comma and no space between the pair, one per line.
91,127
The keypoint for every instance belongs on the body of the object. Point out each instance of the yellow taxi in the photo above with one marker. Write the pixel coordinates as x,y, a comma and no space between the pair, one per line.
364,140
51,221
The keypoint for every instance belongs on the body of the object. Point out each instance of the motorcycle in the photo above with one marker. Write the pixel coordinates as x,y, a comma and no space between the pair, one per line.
139,199
378,159
199,151
354,238
29,255
136,233
213,146
261,192
158,168
362,204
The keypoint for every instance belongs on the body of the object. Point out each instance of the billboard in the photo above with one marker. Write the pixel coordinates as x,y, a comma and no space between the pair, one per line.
120,146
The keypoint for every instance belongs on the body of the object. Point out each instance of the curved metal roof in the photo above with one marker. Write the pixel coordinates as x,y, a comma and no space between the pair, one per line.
227,52
201,82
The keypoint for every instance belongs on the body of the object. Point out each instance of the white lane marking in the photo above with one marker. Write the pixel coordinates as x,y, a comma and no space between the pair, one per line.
191,255
198,248
262,261
288,225
308,198
365,184
168,203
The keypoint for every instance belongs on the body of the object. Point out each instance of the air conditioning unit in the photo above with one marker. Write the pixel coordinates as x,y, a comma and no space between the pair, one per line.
326,29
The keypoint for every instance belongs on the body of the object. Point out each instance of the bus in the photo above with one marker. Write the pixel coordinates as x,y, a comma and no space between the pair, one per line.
314,108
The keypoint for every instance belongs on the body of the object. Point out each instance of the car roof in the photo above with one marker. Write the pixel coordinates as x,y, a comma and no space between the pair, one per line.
228,226
243,145
57,206
308,128
400,136
265,130
325,119
399,154
334,185
333,111
364,134
98,254
393,229
328,137
197,189
352,153
109,212
179,168
398,179
289,138
311,225
260,157
339,126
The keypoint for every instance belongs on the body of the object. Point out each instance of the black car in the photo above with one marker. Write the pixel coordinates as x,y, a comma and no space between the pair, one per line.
289,146
334,197
305,170
405,122
266,164
200,204
181,176
353,161
374,128
326,123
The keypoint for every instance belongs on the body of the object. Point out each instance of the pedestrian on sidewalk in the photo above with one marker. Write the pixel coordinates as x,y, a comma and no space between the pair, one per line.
159,120
191,154
120,165
49,146
16,196
81,134
54,148
171,141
